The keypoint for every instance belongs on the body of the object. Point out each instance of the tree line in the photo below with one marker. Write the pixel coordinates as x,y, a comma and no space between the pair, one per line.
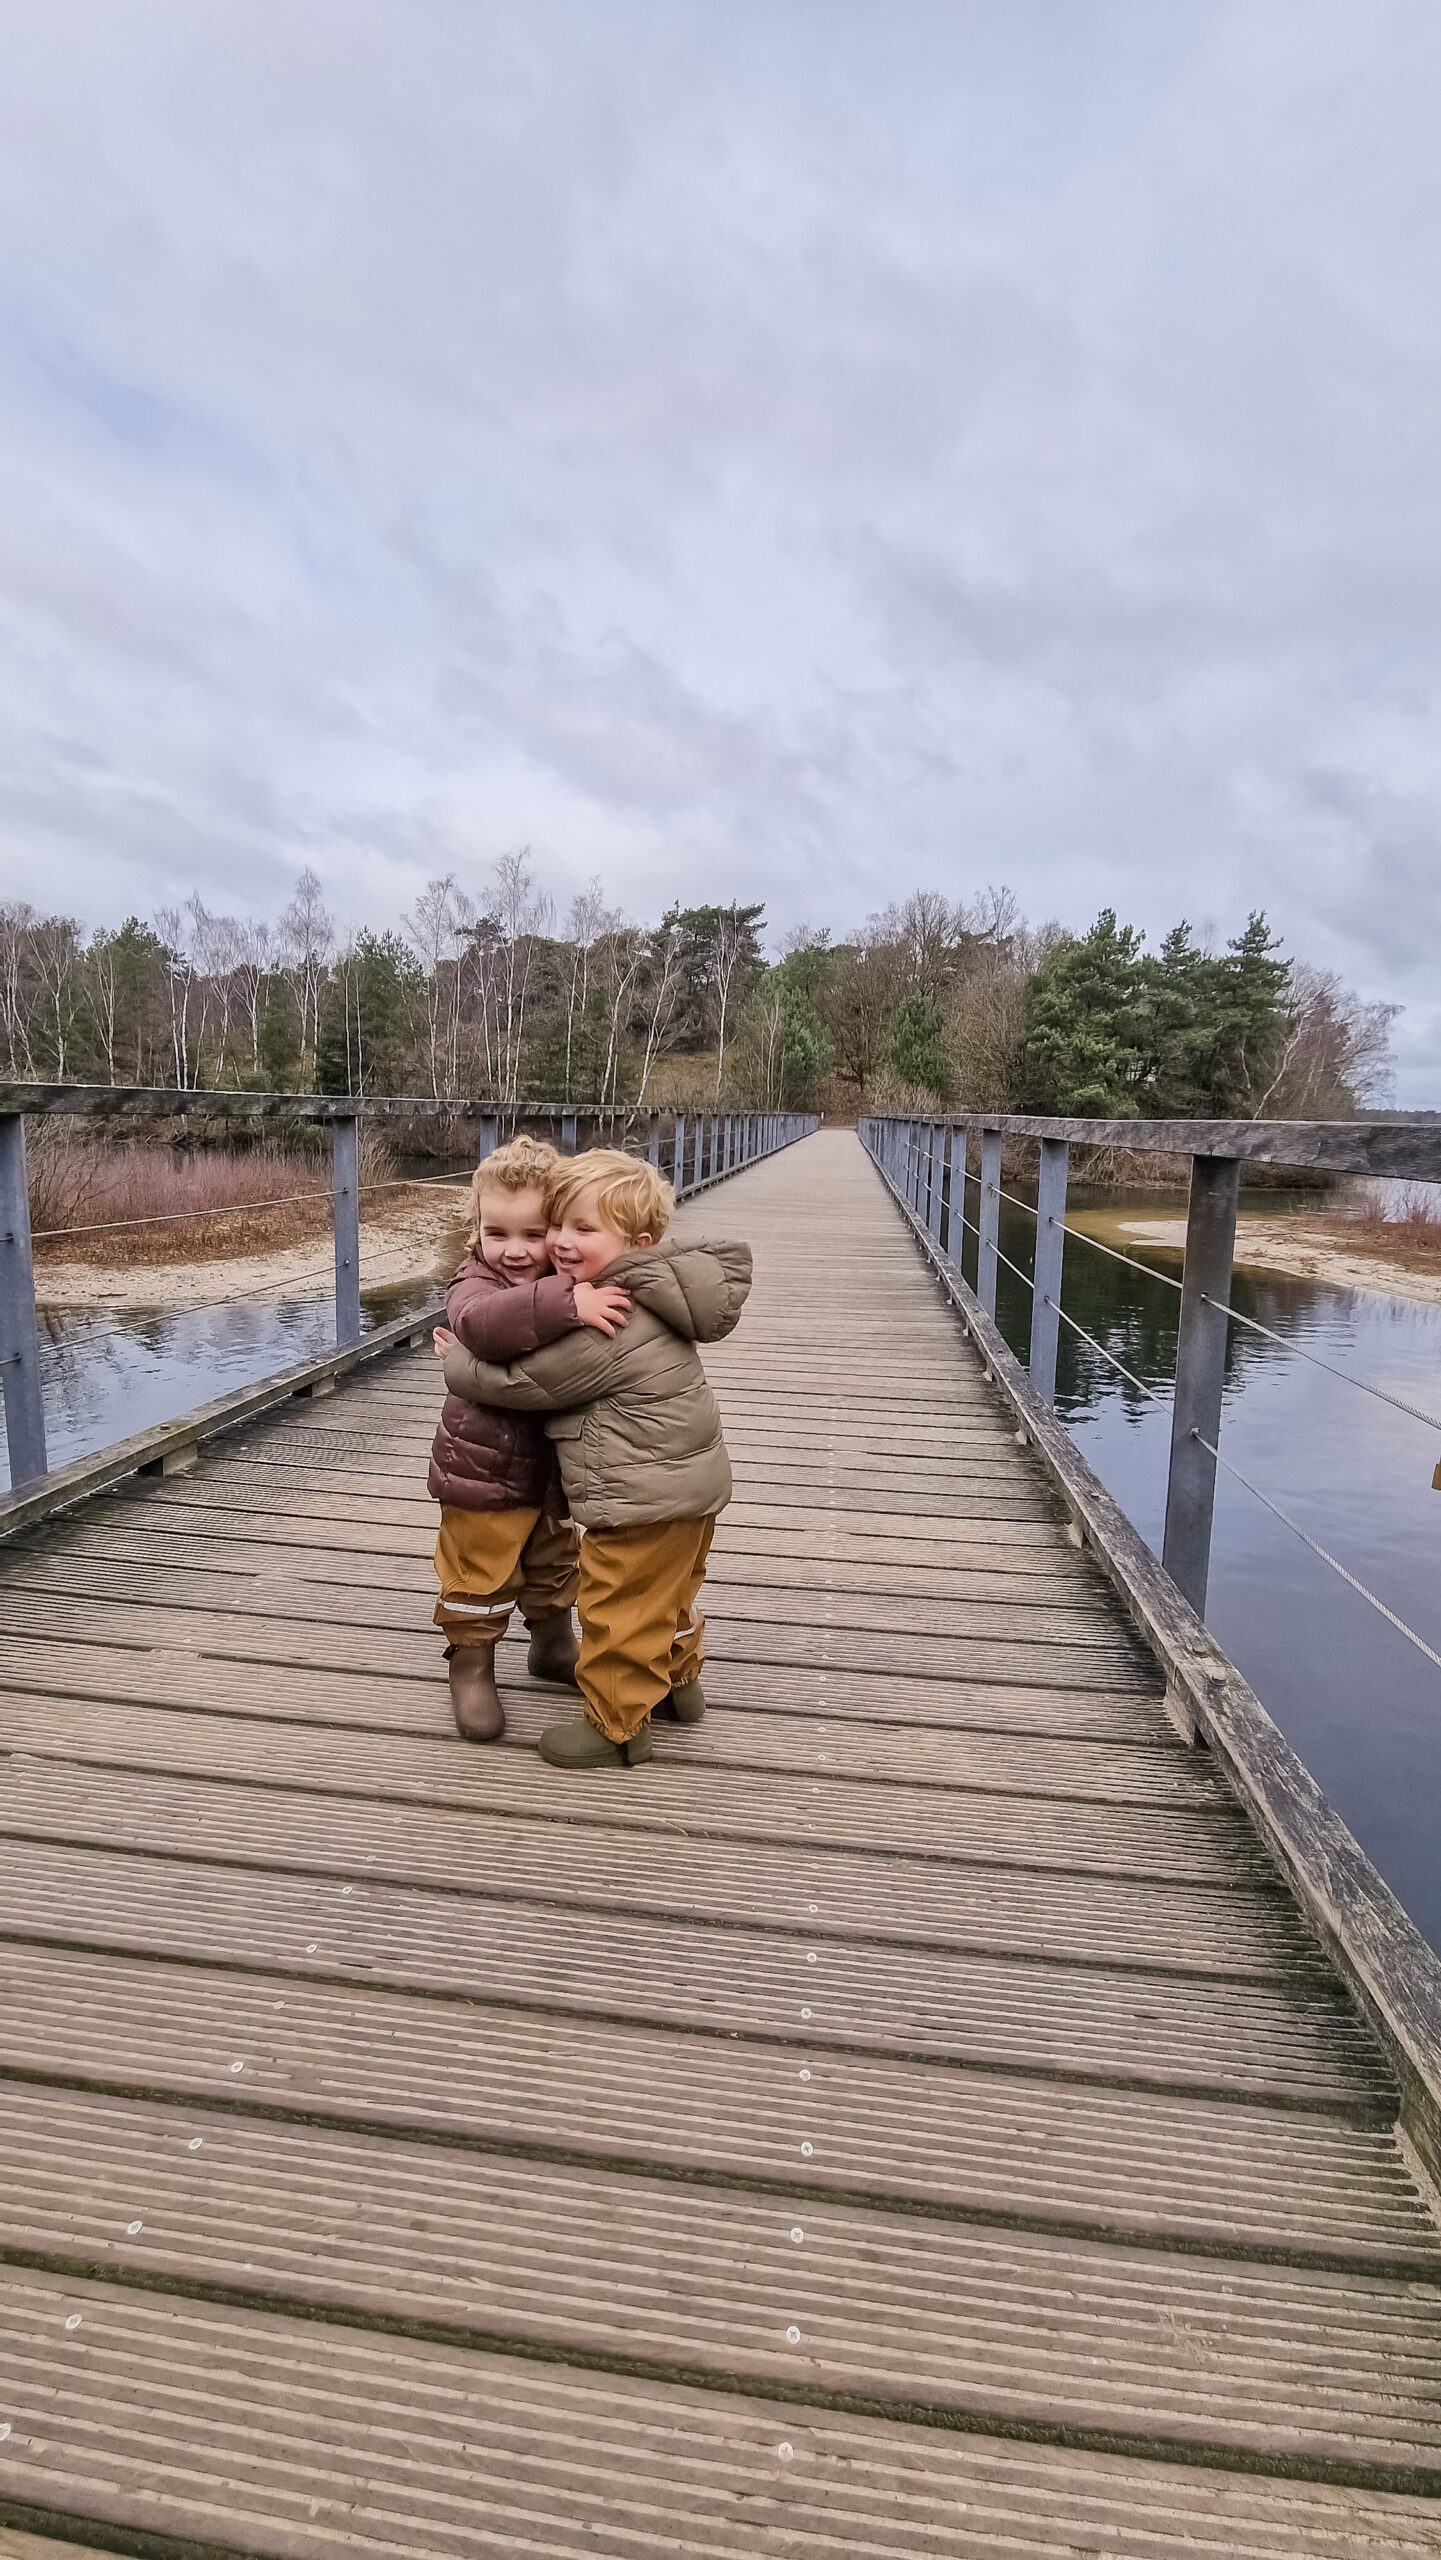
935,1002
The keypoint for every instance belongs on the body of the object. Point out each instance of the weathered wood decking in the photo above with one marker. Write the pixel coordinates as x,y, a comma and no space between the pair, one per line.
907,2117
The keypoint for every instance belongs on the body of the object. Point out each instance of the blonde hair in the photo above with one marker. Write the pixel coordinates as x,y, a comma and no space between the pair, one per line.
524,1164
630,1195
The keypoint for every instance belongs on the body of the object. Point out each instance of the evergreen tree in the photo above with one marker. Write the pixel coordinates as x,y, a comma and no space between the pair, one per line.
918,1046
1084,1047
365,1019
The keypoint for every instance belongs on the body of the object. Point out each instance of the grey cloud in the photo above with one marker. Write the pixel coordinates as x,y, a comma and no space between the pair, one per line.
733,447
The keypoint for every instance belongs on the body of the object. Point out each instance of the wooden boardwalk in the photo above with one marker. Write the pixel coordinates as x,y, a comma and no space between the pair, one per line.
908,2117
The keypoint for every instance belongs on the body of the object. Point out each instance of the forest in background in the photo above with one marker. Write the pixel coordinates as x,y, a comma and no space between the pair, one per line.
935,1002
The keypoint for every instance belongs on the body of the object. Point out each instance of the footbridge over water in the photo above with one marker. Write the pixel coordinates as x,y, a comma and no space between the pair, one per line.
967,2096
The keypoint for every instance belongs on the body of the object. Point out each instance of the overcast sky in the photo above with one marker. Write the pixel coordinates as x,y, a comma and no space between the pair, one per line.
761,449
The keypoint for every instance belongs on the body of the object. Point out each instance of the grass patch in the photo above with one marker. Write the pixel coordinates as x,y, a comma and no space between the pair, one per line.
121,1201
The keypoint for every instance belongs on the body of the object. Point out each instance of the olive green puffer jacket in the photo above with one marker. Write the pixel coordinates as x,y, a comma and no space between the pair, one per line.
636,1428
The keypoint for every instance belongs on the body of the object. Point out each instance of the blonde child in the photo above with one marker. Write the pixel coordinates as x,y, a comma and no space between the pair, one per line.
638,1436
504,1535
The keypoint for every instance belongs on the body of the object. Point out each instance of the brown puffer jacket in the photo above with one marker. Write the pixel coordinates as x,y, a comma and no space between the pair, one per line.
635,1426
485,1459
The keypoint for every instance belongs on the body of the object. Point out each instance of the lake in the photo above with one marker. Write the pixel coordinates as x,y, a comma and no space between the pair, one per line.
1360,1705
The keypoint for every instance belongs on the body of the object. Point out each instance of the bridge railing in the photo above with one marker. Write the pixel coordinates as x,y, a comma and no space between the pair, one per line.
1394,1975
696,1151
927,1164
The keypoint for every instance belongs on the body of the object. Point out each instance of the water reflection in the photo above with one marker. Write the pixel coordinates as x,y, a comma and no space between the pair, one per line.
1361,1706
109,1371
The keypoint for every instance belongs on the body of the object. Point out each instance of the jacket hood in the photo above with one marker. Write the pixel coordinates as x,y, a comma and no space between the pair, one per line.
697,1289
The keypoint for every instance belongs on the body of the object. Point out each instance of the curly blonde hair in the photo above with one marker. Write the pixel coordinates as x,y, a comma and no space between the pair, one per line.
523,1164
630,1195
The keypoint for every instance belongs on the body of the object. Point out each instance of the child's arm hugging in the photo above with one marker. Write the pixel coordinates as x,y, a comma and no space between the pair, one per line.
573,1371
507,1324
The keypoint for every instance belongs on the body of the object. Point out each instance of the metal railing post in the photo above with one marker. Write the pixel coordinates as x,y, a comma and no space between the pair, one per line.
677,1169
938,1175
489,1138
989,1221
345,1206
948,1187
695,1153
568,1133
19,1338
1046,1270
1200,1373
653,1149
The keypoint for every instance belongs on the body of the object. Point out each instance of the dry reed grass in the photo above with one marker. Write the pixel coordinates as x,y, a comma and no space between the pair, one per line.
253,1199
1411,1235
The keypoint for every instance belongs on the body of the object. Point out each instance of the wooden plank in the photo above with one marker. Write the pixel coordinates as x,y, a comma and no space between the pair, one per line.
1036,1578
974,2323
302,1642
1246,2040
709,1846
239,1685
1198,2172
425,1759
427,2450
73,1570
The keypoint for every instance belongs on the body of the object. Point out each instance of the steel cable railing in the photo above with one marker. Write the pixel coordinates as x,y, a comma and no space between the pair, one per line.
242,1208
1323,1552
708,1147
1298,1350
916,1158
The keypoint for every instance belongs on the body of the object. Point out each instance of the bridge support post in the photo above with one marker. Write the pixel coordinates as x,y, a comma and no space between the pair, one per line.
938,1179
19,1340
568,1133
345,1197
677,1170
988,1266
653,1147
489,1138
1050,1248
948,1175
1200,1373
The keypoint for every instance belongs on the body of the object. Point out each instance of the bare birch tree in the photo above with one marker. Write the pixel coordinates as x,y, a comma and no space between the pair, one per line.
307,936
437,930
254,962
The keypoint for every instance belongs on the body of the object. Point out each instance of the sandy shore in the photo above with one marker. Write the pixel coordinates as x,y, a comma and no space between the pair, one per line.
1284,1244
421,1241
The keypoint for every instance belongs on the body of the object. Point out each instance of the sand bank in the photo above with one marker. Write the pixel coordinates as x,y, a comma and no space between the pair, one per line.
423,1241
1281,1244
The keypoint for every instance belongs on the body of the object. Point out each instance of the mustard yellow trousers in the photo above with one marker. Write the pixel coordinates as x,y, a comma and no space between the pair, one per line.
640,1628
488,1560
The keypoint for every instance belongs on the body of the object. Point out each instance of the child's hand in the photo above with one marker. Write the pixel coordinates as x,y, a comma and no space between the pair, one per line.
606,1309
444,1341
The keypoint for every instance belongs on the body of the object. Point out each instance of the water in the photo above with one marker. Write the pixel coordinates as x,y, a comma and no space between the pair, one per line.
107,1372
1360,1705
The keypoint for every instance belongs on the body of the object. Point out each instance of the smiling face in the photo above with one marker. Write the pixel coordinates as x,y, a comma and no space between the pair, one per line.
585,1243
513,1233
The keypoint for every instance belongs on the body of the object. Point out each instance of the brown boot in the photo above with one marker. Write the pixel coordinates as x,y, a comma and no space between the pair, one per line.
553,1649
474,1697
